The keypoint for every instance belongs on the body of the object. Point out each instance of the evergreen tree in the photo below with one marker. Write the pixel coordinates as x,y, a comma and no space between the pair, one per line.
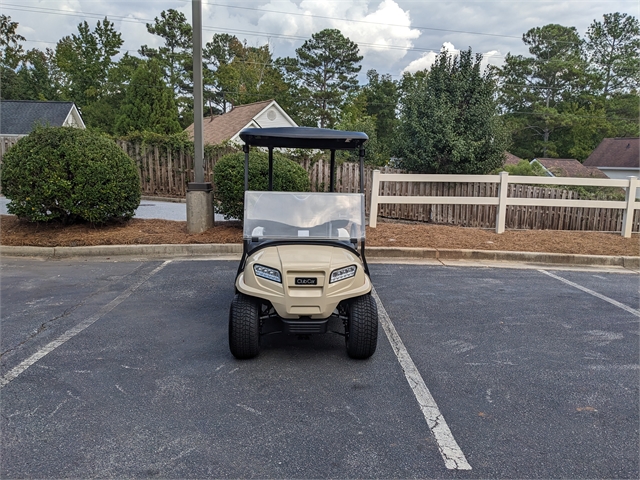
449,120
382,96
175,57
534,89
325,70
148,104
613,49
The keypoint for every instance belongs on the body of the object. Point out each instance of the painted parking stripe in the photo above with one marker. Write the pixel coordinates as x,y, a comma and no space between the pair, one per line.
72,332
451,453
633,311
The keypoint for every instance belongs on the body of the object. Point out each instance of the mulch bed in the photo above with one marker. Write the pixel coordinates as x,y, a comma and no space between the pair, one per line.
387,234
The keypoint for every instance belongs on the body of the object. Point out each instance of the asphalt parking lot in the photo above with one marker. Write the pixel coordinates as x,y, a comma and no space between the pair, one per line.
122,369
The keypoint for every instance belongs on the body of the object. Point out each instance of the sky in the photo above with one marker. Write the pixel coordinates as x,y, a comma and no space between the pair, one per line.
394,36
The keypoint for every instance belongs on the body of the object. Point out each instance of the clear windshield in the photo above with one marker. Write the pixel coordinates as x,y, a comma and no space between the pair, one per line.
313,216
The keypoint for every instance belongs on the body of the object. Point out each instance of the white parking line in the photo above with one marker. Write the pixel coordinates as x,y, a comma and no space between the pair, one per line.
451,453
72,332
633,311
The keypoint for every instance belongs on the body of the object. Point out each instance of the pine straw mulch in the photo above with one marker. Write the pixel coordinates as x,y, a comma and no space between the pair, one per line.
387,234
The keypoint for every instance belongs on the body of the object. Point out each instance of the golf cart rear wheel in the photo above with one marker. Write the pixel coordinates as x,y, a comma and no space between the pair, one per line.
362,327
244,327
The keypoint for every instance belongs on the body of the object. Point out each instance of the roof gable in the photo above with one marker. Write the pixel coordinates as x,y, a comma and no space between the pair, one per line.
19,117
227,126
616,153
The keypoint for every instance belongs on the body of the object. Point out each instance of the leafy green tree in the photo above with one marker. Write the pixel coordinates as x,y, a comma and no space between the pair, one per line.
354,118
449,120
613,50
37,76
148,104
175,57
325,70
84,61
246,75
10,48
11,52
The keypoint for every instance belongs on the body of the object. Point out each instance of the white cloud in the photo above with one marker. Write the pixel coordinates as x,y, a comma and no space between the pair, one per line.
375,30
426,61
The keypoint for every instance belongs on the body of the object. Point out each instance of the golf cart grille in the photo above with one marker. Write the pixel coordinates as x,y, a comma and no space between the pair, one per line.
305,327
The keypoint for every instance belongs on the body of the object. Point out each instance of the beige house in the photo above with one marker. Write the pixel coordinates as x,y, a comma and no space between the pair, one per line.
227,127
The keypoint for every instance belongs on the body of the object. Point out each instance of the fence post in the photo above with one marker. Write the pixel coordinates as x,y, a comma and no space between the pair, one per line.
373,204
627,218
501,214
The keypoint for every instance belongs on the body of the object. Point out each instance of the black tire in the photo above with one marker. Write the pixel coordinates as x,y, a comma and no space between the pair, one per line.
244,327
362,327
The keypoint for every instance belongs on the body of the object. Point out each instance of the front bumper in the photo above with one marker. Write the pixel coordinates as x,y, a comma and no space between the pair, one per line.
293,301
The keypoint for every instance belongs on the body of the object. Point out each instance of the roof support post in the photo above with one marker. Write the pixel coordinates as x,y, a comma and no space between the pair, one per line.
270,169
332,171
361,158
245,149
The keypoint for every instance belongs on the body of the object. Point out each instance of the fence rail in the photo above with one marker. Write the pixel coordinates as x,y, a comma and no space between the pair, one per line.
505,193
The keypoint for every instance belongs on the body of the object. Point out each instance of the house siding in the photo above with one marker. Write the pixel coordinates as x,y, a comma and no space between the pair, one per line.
272,117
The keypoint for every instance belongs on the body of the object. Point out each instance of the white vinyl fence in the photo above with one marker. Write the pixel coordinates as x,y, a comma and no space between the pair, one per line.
502,200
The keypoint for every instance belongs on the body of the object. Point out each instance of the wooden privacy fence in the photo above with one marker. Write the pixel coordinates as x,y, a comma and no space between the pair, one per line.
165,171
512,203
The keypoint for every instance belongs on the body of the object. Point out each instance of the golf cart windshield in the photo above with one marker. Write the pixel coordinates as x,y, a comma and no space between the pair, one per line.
303,216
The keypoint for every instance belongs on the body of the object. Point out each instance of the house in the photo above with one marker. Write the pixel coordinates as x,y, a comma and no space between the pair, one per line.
567,167
19,117
616,157
228,126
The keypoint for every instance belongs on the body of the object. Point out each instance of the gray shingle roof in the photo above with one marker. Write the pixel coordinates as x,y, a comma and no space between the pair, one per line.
18,117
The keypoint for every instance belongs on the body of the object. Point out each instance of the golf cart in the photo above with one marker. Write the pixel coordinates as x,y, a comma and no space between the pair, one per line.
303,261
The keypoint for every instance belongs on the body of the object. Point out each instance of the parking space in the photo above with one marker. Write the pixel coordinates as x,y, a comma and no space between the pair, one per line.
534,377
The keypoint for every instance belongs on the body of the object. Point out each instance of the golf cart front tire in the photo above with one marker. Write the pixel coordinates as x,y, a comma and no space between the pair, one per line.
362,327
244,327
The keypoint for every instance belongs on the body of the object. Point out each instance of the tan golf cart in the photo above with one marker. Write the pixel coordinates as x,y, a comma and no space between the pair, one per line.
303,261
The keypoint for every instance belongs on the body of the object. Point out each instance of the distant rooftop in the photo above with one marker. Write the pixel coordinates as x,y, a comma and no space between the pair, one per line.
621,152
569,167
223,127
19,117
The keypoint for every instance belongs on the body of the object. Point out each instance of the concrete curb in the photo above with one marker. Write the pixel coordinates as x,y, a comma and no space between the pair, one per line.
117,250
190,250
504,256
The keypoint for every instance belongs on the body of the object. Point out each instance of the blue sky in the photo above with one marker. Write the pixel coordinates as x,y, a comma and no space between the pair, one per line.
394,35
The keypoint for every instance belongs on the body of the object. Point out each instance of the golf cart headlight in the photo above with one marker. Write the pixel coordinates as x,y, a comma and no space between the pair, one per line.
342,273
268,273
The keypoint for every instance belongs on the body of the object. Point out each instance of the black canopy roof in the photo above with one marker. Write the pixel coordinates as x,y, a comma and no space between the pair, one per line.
303,137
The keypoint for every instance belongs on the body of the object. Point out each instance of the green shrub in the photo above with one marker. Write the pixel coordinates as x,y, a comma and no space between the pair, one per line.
524,168
68,174
228,176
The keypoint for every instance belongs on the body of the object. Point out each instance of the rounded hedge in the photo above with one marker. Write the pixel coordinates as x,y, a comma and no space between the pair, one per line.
228,176
68,174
